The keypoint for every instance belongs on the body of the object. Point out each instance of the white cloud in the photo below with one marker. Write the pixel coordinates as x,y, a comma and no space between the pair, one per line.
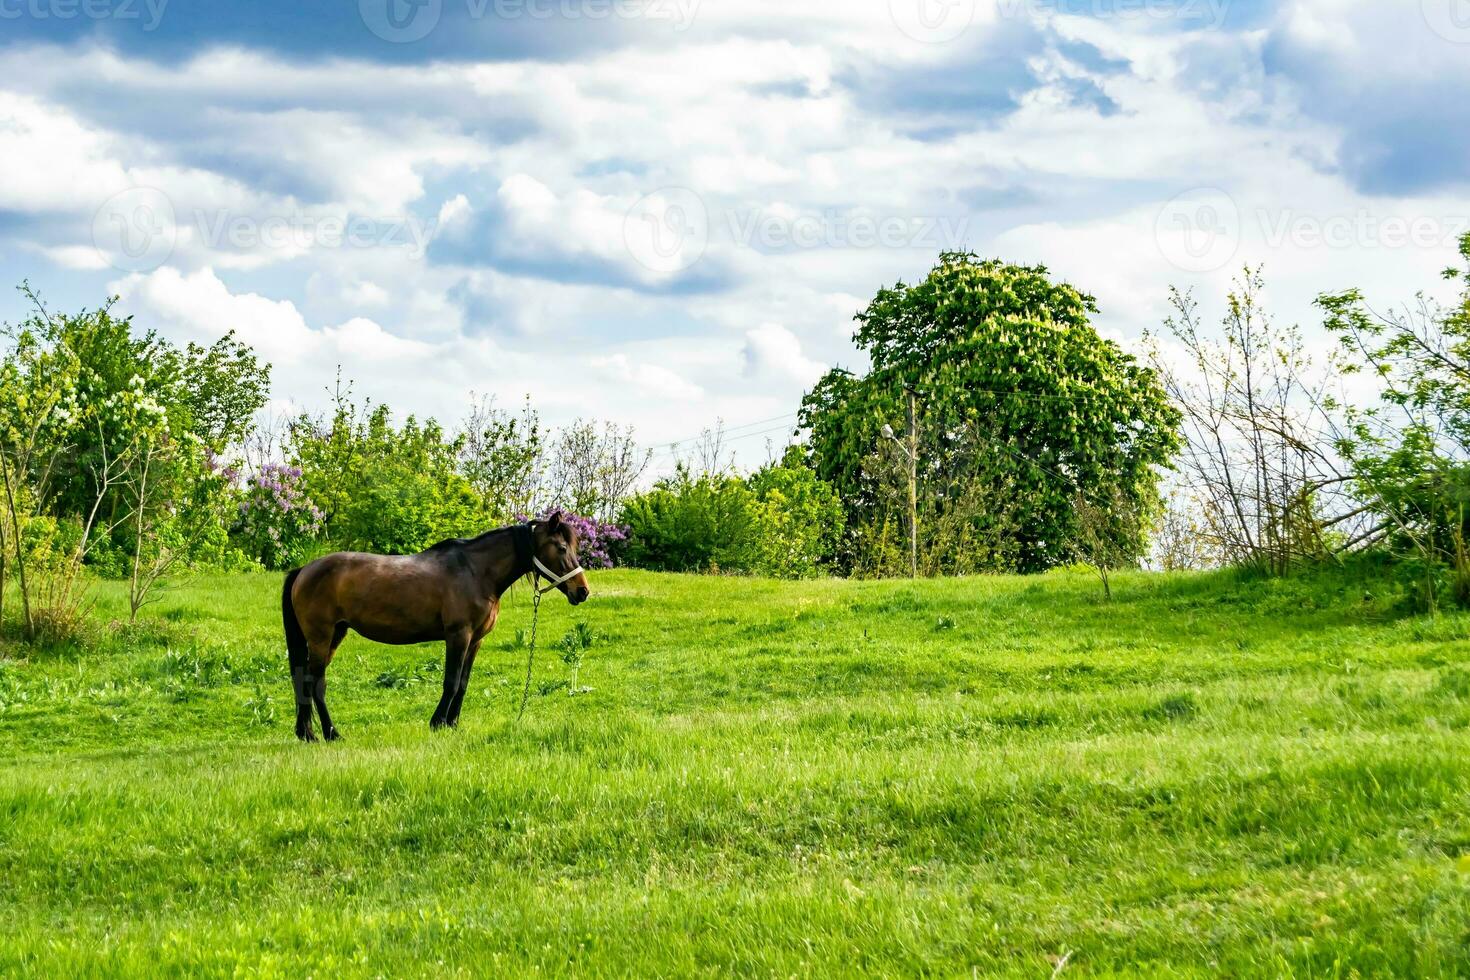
454,214
368,341
365,293
771,349
46,155
646,380
82,257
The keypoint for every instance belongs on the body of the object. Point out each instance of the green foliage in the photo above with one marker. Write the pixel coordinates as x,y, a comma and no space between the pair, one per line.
501,457
114,433
1410,455
1018,397
119,430
381,487
800,518
571,648
575,642
689,523
139,386
783,522
221,387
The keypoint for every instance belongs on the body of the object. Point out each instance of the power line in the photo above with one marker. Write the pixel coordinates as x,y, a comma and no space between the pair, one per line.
672,444
664,458
1012,393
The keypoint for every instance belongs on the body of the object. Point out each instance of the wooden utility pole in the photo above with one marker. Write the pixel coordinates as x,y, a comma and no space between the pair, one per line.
913,454
909,446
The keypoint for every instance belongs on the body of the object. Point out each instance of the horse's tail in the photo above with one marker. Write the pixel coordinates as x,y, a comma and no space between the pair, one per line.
295,638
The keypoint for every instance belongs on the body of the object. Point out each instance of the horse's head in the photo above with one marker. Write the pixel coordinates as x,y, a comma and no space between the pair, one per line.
555,542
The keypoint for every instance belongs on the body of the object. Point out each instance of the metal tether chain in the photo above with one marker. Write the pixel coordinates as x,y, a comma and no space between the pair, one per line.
531,653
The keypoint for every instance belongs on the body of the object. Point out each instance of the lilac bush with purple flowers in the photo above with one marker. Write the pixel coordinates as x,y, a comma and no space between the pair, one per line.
600,545
278,523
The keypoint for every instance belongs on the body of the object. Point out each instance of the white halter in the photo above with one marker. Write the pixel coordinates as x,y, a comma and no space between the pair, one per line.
552,578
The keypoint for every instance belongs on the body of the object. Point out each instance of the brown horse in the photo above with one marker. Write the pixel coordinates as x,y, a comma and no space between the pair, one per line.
450,592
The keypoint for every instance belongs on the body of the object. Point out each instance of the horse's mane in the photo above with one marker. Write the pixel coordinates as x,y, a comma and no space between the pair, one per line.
449,544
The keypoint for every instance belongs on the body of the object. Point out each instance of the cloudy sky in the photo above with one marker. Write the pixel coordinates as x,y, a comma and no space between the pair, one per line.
664,212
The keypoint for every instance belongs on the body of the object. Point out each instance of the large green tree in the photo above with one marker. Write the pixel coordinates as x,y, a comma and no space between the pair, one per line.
1021,407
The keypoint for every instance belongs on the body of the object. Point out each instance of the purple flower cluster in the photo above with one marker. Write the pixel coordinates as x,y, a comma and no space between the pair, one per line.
599,543
220,468
278,522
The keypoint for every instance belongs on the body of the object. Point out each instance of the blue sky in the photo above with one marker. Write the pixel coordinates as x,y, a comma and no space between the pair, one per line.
663,212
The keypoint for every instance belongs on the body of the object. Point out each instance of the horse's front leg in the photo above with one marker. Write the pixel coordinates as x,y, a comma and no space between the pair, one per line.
464,682
456,646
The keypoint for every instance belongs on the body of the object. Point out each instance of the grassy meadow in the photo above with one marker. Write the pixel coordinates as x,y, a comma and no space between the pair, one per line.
1212,774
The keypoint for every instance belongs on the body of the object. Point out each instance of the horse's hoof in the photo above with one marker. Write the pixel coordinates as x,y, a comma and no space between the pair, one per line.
333,735
306,736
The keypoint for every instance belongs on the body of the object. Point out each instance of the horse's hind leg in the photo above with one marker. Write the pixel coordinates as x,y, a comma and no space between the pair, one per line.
304,682
319,689
452,718
456,645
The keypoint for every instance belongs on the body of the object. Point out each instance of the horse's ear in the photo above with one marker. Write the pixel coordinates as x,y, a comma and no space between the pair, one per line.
553,522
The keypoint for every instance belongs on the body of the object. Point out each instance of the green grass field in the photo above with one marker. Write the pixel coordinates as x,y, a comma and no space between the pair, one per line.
1211,774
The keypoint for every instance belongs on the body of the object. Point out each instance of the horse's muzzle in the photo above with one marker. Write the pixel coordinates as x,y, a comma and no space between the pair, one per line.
578,595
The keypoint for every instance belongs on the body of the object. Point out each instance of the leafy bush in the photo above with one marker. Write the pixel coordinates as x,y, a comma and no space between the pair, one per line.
402,510
278,522
800,518
783,521
1410,455
694,524
388,488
